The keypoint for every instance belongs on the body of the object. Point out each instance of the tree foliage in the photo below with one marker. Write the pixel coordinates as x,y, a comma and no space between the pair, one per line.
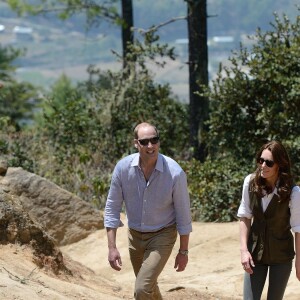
17,100
85,129
94,10
7,57
257,98
215,188
138,98
144,100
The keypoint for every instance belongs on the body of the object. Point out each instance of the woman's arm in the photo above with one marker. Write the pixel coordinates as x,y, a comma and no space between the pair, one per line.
295,224
246,258
297,260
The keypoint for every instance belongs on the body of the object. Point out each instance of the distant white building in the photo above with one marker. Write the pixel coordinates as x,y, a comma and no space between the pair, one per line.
182,41
223,39
2,28
23,33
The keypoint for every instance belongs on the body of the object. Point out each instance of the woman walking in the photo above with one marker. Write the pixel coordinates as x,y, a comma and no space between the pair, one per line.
269,209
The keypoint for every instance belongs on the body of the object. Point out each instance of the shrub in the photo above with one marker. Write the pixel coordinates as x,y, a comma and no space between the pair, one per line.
257,98
215,188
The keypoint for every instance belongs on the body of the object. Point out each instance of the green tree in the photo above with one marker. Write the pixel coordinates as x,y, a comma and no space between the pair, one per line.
215,188
198,51
7,57
84,129
257,98
144,100
127,28
17,100
128,100
70,119
198,74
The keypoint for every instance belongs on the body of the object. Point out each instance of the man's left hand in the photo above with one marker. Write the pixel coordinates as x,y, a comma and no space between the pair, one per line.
181,261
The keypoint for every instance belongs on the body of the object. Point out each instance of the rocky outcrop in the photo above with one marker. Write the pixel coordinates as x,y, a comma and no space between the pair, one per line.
63,215
38,213
16,226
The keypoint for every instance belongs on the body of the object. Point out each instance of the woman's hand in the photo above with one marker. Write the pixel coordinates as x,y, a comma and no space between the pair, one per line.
247,261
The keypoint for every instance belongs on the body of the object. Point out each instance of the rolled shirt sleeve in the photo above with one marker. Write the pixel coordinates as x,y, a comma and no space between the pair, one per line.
182,205
244,210
295,209
114,202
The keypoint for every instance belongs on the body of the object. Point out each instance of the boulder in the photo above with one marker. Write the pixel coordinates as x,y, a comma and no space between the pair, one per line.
63,215
16,226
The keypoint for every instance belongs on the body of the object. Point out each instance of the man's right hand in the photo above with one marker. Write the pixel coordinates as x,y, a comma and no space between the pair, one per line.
114,259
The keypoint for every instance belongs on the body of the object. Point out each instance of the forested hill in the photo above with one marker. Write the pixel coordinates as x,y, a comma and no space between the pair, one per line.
225,16
56,45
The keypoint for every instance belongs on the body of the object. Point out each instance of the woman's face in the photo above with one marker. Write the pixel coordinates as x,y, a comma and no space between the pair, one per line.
267,172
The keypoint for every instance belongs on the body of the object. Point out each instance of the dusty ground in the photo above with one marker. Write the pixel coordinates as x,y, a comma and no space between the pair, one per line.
214,270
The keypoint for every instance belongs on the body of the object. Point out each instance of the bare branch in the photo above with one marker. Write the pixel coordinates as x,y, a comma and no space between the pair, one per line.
154,28
17,278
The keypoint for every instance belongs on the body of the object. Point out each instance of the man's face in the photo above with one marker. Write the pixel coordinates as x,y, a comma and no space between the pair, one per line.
147,143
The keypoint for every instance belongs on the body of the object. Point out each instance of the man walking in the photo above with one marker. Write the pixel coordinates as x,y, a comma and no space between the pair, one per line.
154,190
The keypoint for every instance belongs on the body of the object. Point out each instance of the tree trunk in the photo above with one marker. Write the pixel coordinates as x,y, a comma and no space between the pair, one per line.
127,33
198,74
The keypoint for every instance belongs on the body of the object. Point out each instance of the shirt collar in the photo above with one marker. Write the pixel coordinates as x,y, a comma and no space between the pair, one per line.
159,163
275,191
276,187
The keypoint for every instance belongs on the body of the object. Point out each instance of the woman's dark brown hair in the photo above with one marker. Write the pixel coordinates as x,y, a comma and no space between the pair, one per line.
285,181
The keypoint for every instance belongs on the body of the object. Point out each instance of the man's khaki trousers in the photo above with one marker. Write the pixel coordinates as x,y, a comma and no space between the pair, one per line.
149,253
